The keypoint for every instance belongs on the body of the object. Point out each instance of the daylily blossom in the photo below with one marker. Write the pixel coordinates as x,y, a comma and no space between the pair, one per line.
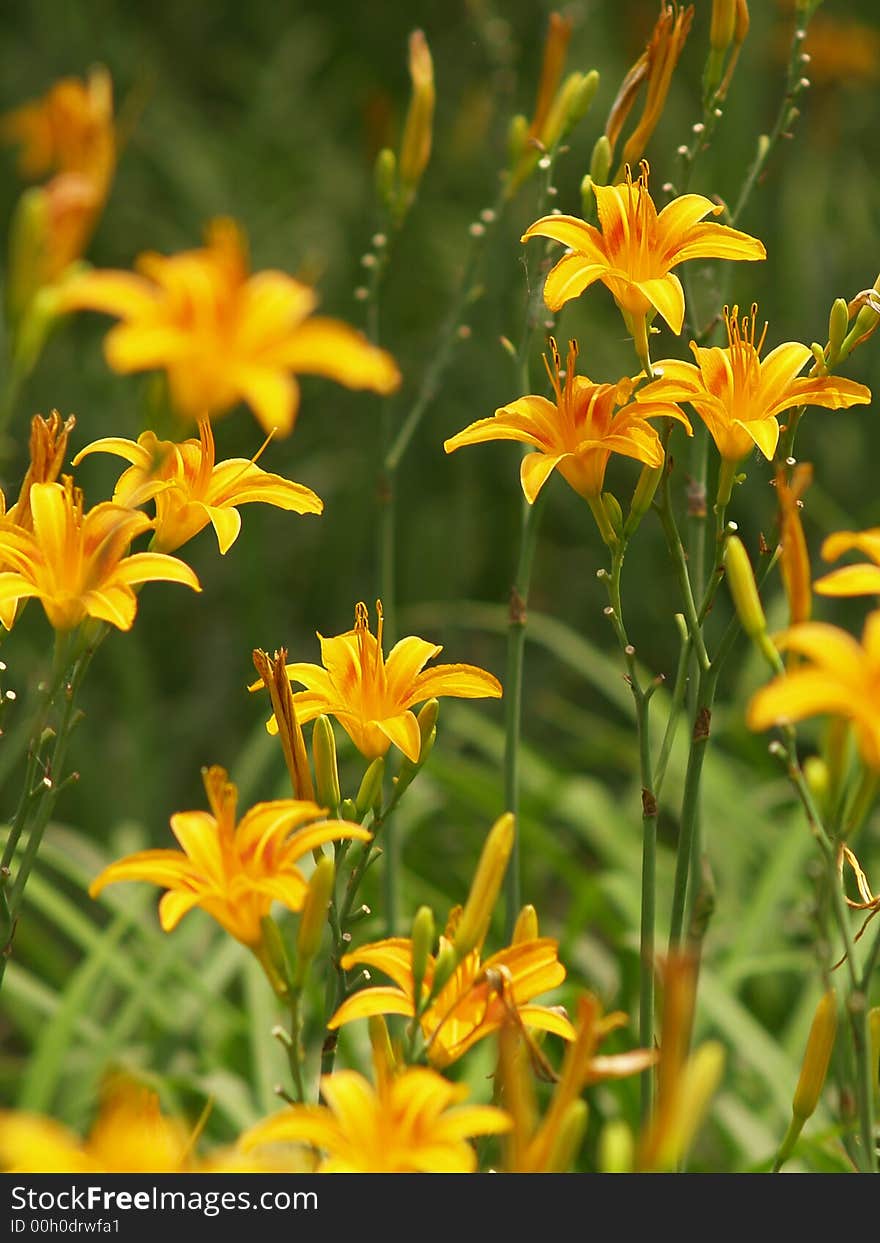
480,995
576,433
130,1135
76,563
412,1122
233,869
838,676
68,132
547,1145
739,395
371,697
224,335
635,249
851,580
190,489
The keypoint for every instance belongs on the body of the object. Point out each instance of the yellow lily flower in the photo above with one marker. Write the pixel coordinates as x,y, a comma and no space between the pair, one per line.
190,489
739,395
76,563
411,1122
840,677
223,335
480,995
851,580
372,697
578,432
130,1135
634,250
69,131
549,1145
233,869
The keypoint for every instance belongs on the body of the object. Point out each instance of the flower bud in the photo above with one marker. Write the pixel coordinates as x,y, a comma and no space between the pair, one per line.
526,926
422,946
611,505
874,1038
348,810
444,965
313,918
743,588
370,792
415,146
616,1148
867,306
817,1057
477,913
600,161
517,137
568,1138
385,177
324,760
838,324
272,955
643,497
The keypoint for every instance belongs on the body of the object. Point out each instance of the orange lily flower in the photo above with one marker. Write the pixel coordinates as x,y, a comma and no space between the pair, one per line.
739,395
71,131
371,697
476,1000
411,1122
635,249
223,335
578,432
76,563
190,489
233,869
130,1135
851,580
840,677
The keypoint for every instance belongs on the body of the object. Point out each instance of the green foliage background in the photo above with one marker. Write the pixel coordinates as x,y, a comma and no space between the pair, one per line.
273,114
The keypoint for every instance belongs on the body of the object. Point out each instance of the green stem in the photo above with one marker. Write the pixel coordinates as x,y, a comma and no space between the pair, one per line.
641,697
39,797
676,705
796,83
516,639
294,1048
688,844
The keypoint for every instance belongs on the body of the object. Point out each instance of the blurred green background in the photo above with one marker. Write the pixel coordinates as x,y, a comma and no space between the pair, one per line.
273,114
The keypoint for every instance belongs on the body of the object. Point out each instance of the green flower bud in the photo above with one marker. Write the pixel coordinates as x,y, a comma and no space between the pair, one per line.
324,760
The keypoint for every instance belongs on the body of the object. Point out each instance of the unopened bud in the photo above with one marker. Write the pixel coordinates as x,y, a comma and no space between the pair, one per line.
616,1148
415,146
444,965
313,918
818,778
324,759
643,497
838,324
348,810
517,136
743,588
587,199
273,958
568,1138
526,926
600,161
370,792
477,913
380,1043
385,177
611,505
28,243
874,1039
422,947
817,1057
